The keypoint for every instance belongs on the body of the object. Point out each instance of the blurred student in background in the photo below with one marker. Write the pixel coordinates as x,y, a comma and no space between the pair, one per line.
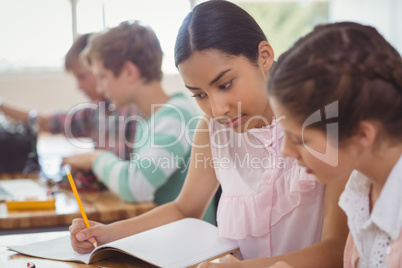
96,120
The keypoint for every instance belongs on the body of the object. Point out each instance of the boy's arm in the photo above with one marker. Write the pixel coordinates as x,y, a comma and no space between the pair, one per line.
21,115
165,150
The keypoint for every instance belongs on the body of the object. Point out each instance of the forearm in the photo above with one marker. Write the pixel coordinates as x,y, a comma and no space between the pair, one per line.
327,253
161,215
21,115
15,113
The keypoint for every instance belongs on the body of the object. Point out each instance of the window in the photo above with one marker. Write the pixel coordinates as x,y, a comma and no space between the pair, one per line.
34,34
165,18
284,22
36,39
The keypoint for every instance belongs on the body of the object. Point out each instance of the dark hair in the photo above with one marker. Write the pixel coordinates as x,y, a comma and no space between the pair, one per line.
345,62
218,25
129,41
73,54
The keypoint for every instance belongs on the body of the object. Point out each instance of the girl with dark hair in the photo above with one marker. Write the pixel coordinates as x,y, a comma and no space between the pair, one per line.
351,78
272,207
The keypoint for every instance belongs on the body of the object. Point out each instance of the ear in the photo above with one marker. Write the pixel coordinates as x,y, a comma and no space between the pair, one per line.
366,133
131,70
265,55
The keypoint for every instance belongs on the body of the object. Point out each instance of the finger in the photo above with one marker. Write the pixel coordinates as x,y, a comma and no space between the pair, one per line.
88,234
203,265
228,259
82,247
76,226
280,264
65,161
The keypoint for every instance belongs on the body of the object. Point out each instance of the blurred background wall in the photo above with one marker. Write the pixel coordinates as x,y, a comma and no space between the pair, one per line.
35,35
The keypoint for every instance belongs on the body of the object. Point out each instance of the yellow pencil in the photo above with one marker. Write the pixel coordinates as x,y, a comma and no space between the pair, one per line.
77,197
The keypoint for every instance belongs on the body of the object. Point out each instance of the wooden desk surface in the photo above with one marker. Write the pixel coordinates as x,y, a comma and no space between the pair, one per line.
107,207
12,259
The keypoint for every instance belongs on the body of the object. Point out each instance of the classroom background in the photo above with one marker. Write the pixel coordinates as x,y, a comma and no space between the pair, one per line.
35,36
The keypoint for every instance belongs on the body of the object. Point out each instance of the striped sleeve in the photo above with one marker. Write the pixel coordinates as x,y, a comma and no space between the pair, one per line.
162,147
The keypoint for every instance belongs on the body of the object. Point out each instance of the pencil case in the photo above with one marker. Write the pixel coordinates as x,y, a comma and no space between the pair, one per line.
31,203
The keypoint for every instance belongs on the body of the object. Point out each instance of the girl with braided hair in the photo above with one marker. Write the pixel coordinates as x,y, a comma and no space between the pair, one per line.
338,91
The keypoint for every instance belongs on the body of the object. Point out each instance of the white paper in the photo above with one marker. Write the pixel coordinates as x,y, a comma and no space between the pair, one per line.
179,244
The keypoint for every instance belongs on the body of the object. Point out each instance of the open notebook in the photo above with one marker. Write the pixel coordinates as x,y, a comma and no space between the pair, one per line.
20,188
183,243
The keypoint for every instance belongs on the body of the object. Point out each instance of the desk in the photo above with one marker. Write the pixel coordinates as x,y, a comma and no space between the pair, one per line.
10,259
109,207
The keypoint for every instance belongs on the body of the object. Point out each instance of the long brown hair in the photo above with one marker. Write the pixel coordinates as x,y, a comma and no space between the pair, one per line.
345,62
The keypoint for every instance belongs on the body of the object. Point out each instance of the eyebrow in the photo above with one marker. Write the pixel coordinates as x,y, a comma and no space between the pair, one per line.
219,76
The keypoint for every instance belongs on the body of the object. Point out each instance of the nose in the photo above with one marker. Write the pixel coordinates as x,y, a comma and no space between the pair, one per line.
219,104
100,88
289,149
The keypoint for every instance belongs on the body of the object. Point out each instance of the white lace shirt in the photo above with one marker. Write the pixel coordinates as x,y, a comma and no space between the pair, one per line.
373,233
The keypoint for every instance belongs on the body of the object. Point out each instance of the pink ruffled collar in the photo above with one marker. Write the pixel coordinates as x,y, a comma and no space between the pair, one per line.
269,134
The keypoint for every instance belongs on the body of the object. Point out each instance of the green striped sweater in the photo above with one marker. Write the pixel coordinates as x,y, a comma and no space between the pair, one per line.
158,165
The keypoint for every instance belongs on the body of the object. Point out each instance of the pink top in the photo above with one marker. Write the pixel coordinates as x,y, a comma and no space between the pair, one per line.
268,203
375,239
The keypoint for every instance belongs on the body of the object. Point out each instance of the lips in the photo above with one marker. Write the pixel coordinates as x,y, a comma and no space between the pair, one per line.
309,171
232,122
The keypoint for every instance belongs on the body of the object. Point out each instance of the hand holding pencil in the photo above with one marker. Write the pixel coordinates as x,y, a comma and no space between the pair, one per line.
77,197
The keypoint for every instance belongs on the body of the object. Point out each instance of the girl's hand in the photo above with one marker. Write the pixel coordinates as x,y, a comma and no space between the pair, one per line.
82,237
82,161
280,264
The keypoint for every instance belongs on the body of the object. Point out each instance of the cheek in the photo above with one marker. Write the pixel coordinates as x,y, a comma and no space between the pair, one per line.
254,98
205,107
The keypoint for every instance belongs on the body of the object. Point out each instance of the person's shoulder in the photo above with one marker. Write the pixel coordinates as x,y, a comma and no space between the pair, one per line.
178,97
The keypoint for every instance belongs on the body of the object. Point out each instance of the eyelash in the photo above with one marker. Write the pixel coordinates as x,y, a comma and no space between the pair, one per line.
199,96
226,85
297,142
203,95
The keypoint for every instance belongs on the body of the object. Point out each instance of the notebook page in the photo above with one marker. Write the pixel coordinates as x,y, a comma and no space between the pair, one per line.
55,249
23,188
179,244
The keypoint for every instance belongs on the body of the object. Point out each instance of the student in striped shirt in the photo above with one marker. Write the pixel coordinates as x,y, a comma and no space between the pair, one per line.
127,61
